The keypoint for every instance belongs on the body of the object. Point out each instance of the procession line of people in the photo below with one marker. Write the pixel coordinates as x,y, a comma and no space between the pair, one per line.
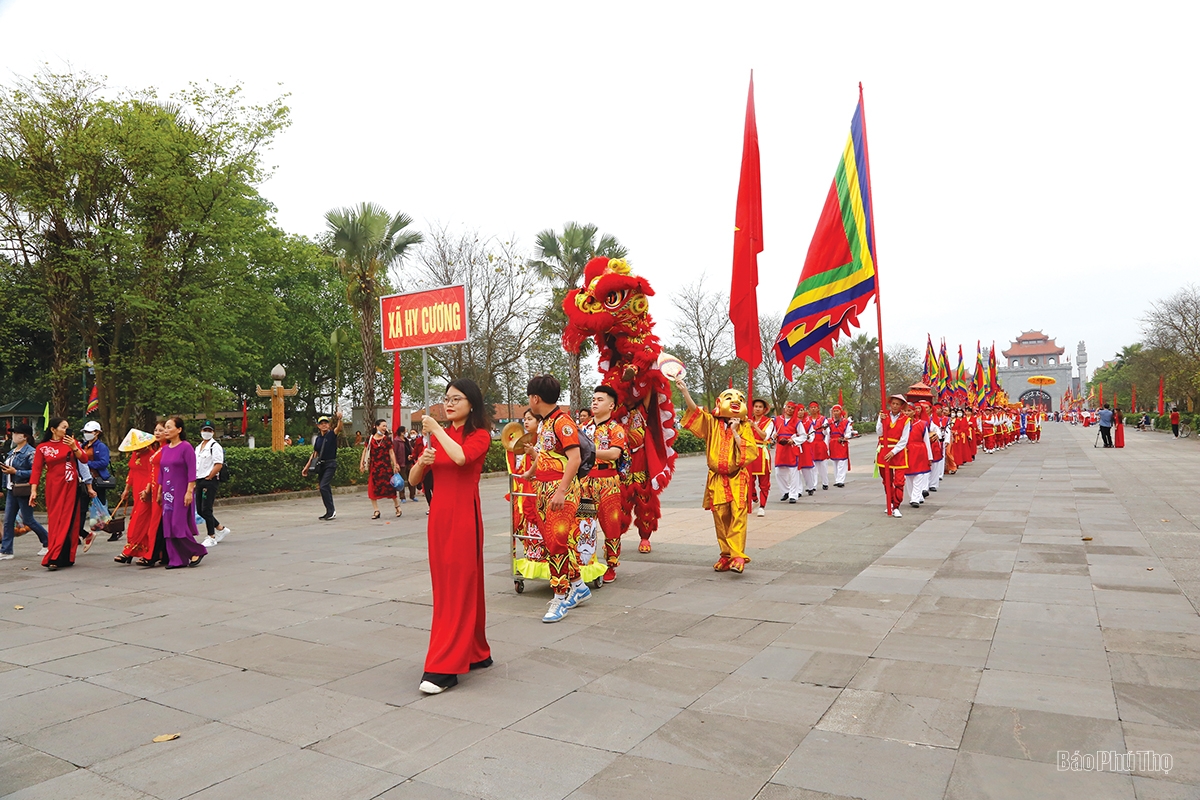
165,474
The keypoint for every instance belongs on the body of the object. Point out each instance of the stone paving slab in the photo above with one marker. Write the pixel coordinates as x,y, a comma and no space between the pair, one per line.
1044,600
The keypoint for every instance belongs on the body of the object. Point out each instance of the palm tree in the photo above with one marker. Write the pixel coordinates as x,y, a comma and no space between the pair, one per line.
560,259
365,242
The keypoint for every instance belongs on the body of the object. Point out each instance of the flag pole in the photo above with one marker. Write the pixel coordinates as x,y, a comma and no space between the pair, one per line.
878,290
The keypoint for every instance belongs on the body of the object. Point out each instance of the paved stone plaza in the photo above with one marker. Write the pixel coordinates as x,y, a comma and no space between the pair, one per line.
1045,600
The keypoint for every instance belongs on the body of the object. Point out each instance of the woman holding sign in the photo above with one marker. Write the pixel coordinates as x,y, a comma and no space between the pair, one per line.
457,642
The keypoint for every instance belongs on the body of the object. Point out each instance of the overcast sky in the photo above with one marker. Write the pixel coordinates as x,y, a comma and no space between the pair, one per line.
1034,164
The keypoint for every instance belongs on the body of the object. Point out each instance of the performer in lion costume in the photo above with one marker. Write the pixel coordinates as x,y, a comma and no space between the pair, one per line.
612,308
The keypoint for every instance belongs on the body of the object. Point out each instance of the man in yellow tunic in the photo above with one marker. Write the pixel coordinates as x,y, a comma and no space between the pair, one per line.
731,447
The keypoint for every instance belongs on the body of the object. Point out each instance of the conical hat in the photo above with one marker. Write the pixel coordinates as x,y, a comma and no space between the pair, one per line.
136,440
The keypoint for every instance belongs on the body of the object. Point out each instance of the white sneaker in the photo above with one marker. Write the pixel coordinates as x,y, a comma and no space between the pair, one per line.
558,609
209,542
43,551
761,512
221,534
6,556
896,513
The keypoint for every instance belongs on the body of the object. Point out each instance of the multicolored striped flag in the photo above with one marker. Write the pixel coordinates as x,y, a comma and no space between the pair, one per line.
839,277
94,400
979,384
993,378
960,381
945,377
929,371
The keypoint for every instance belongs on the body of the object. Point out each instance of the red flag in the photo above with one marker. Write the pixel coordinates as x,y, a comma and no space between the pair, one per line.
244,418
1133,398
1101,401
1162,407
397,400
747,244
840,401
93,404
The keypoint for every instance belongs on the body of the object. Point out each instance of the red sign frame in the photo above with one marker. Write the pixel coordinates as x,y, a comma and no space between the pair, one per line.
428,318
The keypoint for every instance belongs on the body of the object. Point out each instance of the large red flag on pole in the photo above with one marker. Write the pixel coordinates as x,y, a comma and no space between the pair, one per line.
1133,398
1162,406
1102,395
244,417
397,400
747,244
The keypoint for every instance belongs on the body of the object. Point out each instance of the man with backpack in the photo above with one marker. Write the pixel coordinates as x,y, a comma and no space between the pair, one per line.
554,475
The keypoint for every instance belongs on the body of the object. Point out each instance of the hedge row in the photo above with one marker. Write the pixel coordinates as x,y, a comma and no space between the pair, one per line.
265,471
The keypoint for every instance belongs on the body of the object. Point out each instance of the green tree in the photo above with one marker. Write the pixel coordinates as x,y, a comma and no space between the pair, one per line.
561,259
864,354
505,305
366,241
136,217
310,302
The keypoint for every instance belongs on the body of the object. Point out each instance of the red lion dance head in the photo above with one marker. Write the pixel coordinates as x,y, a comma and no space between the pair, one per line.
612,308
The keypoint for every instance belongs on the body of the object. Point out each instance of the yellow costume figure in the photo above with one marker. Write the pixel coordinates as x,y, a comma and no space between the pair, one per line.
731,447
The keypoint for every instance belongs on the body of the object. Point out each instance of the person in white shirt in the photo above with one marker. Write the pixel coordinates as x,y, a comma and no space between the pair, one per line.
210,457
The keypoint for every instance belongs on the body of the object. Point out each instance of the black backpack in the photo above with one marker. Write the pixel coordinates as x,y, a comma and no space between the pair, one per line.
587,454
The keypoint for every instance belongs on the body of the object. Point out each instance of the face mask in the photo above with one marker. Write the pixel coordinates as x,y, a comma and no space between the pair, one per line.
89,435
206,435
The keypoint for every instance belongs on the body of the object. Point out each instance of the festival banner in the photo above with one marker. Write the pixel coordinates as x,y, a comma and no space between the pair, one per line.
93,404
839,276
1162,406
424,319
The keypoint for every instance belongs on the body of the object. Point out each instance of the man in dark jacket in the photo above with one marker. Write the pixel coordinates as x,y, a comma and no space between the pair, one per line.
17,468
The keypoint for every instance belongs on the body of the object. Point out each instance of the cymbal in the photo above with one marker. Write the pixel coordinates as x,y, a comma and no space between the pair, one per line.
513,436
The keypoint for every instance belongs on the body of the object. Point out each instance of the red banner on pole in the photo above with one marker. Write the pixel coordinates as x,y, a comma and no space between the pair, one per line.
424,319
397,402
1162,406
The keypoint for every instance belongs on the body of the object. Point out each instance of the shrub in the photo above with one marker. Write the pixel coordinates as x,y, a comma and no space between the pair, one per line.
495,460
688,442
264,471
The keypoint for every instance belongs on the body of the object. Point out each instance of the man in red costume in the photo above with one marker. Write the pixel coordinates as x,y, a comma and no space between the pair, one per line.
558,494
920,454
760,469
937,443
988,423
820,443
891,456
808,472
787,452
838,442
603,483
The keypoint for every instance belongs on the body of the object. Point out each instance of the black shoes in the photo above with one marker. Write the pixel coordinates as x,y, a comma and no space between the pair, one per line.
487,662
329,516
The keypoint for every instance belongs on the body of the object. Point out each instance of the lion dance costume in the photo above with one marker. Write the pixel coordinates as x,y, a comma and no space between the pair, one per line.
611,308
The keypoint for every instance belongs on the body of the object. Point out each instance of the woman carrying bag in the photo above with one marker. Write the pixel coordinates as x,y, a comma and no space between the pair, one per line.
379,462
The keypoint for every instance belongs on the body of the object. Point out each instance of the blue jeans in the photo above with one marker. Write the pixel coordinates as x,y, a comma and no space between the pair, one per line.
12,504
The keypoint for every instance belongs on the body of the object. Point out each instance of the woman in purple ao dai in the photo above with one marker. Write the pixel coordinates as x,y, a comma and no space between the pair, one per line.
176,494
